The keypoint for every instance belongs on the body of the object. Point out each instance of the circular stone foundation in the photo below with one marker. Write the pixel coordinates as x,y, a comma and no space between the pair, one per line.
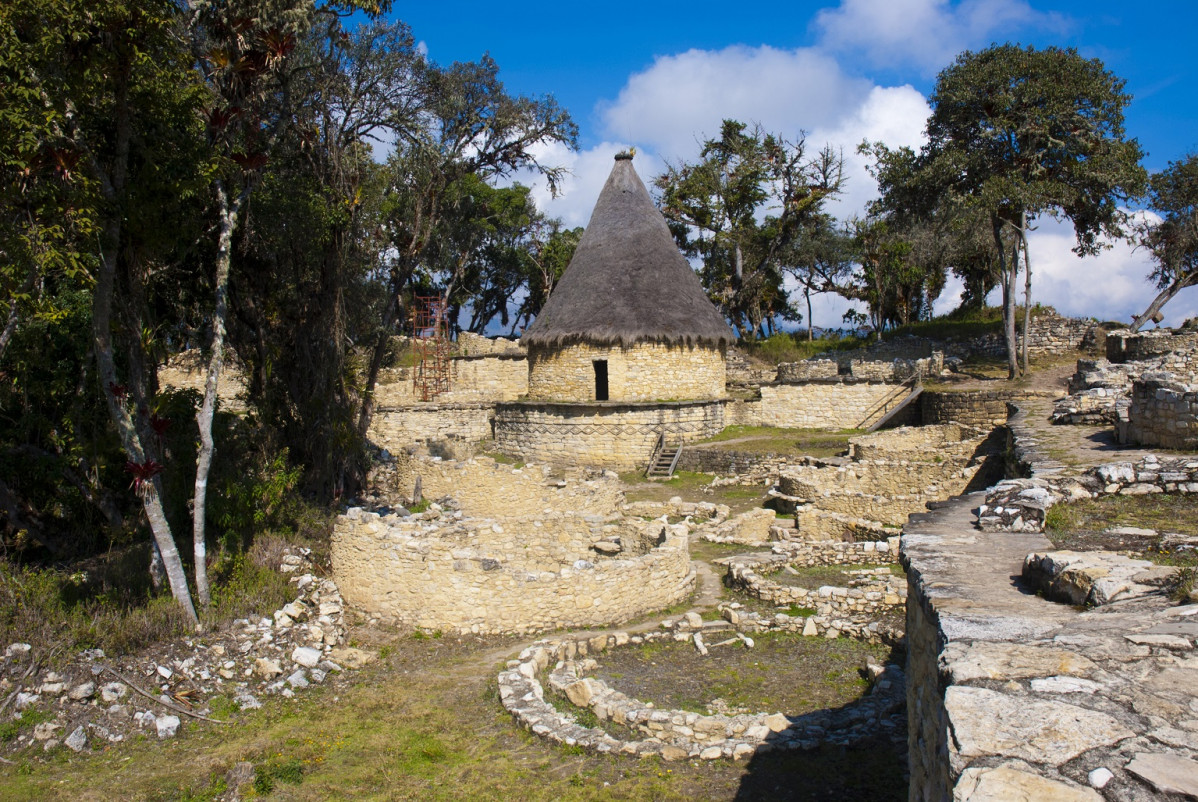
679,734
444,570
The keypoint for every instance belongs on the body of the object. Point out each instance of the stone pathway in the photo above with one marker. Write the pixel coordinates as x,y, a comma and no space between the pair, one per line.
1012,696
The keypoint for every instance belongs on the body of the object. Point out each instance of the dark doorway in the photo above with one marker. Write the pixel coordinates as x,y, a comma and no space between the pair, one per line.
600,379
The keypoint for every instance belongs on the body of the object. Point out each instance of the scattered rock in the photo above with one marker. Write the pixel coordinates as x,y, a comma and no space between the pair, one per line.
306,656
167,726
81,692
77,740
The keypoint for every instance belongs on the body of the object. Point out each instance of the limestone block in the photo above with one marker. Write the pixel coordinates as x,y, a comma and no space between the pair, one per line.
1010,784
986,722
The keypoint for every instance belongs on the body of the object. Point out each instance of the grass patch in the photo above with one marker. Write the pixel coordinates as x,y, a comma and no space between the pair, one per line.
775,440
783,672
816,576
1164,512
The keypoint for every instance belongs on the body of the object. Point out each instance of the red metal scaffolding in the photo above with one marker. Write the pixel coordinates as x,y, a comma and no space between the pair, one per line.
430,342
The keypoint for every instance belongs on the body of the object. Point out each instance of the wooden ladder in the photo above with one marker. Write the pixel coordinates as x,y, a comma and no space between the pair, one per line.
664,459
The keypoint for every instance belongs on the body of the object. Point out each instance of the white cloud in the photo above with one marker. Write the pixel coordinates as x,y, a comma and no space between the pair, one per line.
893,115
1113,285
926,34
681,99
665,109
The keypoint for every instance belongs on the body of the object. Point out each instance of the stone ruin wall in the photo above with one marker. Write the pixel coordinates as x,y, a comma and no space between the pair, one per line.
519,553
620,436
820,406
644,372
397,428
1049,333
1163,414
929,443
1012,696
837,499
189,371
1125,346
489,489
531,575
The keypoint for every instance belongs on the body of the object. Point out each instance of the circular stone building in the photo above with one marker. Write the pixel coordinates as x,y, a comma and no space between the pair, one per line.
627,349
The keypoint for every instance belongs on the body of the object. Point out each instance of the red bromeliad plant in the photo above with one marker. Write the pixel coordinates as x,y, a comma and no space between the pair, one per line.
143,473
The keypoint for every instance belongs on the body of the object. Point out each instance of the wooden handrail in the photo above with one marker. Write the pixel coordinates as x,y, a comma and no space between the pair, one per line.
883,405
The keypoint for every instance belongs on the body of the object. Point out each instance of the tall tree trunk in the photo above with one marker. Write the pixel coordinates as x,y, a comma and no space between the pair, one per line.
229,209
1163,298
1027,289
151,496
810,324
112,186
1008,300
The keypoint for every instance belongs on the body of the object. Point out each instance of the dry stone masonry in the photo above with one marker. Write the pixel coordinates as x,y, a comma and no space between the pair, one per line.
534,553
673,734
1012,695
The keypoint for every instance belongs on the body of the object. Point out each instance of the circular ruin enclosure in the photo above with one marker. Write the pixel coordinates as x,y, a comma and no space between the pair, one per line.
574,563
649,731
614,434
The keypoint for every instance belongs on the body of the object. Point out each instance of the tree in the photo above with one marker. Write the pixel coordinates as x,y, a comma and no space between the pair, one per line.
1020,132
1173,242
111,83
469,125
820,261
740,207
308,285
243,52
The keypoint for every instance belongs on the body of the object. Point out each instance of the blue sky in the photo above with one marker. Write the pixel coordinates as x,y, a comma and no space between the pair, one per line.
663,76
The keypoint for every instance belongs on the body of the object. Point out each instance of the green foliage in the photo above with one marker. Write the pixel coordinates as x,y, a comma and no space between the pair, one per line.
1183,583
277,770
254,502
724,211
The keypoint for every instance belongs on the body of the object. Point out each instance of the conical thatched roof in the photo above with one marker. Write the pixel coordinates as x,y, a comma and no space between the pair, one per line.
627,282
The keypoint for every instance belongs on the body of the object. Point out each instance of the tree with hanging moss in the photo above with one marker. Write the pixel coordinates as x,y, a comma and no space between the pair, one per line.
740,208
1022,132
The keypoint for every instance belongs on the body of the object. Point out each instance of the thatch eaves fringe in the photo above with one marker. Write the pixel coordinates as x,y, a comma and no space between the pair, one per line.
628,282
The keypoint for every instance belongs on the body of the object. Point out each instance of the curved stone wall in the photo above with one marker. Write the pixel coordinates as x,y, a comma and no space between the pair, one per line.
677,734
525,575
609,434
646,371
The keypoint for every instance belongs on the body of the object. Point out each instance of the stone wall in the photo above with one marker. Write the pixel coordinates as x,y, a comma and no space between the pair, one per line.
928,443
982,409
874,370
489,489
1049,332
808,370
471,344
188,370
1124,346
396,428
1013,696
609,434
521,575
646,371
837,405
489,378
1163,413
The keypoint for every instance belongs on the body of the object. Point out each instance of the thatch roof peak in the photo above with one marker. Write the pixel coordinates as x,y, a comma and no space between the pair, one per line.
627,282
